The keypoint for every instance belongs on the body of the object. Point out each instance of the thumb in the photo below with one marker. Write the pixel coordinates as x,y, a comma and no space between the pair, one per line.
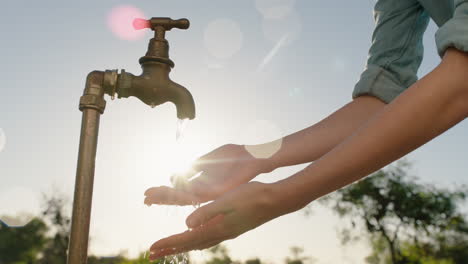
205,213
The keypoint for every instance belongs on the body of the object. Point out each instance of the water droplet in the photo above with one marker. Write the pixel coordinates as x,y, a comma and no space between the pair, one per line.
181,126
112,97
153,105
195,205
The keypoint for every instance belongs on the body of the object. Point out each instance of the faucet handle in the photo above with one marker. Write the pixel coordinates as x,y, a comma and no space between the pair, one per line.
164,22
168,23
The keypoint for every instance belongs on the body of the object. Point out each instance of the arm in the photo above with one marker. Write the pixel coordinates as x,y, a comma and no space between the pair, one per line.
311,143
231,165
427,109
424,111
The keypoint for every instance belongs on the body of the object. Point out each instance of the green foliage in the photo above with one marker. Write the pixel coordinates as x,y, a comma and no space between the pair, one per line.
393,207
55,251
45,241
114,260
253,261
42,241
22,245
219,255
297,257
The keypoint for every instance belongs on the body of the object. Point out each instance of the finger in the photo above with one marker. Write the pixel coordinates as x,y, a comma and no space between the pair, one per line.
189,238
200,164
206,213
169,196
185,176
173,251
209,244
203,188
163,253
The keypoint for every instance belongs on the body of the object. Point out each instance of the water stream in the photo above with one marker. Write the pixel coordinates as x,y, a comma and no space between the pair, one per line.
182,258
181,127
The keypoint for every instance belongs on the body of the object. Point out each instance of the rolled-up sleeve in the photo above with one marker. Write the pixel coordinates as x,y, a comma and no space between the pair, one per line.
454,33
396,51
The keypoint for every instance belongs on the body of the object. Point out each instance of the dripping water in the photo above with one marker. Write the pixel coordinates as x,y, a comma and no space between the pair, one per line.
181,126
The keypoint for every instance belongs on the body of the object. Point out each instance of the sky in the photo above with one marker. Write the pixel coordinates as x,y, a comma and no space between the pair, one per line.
257,69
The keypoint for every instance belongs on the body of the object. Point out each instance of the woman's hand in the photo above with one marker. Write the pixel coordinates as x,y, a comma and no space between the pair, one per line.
231,215
219,171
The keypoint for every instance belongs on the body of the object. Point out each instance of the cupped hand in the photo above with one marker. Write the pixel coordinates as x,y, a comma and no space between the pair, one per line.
245,208
211,175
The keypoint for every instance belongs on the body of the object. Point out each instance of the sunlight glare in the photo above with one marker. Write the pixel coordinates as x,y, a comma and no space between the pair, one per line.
121,22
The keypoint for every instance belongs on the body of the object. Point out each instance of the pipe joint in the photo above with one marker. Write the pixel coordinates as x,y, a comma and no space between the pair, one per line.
90,101
93,95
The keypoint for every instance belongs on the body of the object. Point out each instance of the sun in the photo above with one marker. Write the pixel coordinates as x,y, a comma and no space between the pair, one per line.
180,161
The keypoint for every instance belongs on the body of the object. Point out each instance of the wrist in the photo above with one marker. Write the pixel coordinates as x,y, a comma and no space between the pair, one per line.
262,156
286,199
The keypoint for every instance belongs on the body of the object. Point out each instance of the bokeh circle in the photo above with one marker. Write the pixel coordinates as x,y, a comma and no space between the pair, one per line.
18,206
223,38
2,139
263,138
276,30
275,9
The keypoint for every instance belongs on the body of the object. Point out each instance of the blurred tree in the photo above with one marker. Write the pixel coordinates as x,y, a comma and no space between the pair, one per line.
54,213
113,260
297,257
253,261
22,245
219,255
405,222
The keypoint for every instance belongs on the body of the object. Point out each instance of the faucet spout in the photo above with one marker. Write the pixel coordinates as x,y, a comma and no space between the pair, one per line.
153,87
183,101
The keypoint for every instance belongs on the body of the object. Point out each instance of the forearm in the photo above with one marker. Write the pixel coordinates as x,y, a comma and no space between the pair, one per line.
424,111
311,143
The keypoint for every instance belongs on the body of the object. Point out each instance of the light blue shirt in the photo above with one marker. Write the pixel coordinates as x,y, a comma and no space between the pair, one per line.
397,42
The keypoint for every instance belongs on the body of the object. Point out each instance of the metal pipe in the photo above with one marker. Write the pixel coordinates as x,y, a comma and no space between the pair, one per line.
153,87
78,249
92,104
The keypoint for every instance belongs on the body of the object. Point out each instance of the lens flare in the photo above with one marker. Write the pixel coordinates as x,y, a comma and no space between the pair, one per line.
140,23
275,9
123,21
223,38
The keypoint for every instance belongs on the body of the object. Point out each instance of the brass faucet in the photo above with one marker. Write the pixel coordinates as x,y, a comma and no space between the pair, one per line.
153,87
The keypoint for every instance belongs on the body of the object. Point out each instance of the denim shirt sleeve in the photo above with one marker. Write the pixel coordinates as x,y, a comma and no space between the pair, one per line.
454,33
396,51
440,11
